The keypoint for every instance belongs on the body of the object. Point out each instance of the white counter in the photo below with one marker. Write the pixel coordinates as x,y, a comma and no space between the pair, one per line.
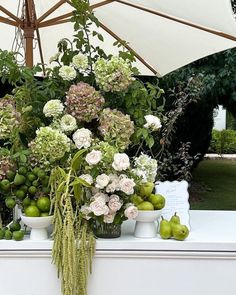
203,264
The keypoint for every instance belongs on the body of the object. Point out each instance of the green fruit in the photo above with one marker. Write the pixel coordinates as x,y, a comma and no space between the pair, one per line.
146,189
18,235
22,170
10,202
32,211
33,203
36,170
15,226
41,174
19,179
31,177
28,183
175,219
180,232
8,234
136,199
26,202
32,190
5,185
24,188
20,194
158,201
145,206
165,229
45,181
35,183
10,175
2,234
44,204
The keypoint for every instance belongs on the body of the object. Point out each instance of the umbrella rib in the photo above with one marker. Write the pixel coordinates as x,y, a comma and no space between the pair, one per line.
7,12
167,16
51,10
102,3
127,47
8,21
54,20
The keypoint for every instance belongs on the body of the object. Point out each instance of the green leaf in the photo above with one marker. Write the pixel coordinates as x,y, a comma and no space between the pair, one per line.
77,191
77,159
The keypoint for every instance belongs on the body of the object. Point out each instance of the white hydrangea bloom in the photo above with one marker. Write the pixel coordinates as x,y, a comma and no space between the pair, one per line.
153,123
53,108
68,123
80,62
145,168
82,138
67,73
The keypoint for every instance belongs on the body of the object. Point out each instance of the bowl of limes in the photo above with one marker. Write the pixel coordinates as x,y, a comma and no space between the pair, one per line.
37,217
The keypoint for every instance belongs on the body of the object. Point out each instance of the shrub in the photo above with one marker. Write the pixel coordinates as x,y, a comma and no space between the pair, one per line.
223,142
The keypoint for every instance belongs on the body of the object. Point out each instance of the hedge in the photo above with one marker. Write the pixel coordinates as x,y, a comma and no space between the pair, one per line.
223,142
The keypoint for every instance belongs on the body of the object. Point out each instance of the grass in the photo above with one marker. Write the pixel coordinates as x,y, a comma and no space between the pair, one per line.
215,185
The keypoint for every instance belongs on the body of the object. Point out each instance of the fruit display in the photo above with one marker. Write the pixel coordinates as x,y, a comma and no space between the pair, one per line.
173,229
12,232
145,200
27,187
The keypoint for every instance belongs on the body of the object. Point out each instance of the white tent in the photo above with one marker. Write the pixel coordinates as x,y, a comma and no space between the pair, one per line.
165,34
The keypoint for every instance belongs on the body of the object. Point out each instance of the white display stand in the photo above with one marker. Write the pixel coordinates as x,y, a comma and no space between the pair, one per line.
203,264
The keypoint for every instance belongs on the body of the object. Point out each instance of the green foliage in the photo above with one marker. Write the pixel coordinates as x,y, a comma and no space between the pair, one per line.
223,142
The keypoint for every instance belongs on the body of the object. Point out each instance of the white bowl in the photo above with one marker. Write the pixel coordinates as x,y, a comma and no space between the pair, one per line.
147,223
38,226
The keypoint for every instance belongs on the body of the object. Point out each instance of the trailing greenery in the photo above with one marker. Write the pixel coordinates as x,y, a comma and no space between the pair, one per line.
223,142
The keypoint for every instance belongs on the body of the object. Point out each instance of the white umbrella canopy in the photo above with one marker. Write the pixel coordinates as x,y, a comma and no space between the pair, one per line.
164,34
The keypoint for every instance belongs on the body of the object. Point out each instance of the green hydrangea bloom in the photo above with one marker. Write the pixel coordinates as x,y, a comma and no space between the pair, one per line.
116,128
49,146
114,75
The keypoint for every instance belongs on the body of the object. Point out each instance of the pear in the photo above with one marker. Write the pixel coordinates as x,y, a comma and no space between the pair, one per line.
145,206
19,179
136,199
146,189
175,219
180,232
165,229
157,200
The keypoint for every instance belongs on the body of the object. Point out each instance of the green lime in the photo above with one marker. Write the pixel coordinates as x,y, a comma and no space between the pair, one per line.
32,211
44,214
18,235
8,234
20,194
33,203
32,190
5,185
24,188
41,174
10,175
15,226
31,177
22,170
26,202
19,179
35,183
35,171
10,202
44,203
2,233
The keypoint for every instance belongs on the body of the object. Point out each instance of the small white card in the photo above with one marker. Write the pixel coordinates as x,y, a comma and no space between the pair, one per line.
176,195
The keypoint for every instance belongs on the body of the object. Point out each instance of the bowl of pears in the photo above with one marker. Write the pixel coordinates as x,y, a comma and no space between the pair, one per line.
149,210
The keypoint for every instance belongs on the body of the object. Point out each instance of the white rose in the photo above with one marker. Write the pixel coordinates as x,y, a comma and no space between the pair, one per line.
68,123
82,138
126,185
121,162
109,218
114,203
67,73
153,122
87,177
114,185
99,208
101,197
85,210
131,212
94,157
102,181
80,62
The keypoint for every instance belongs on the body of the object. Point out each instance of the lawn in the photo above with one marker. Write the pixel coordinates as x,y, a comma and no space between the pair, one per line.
214,185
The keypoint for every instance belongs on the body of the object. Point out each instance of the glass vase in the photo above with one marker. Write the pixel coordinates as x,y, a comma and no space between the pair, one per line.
107,230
